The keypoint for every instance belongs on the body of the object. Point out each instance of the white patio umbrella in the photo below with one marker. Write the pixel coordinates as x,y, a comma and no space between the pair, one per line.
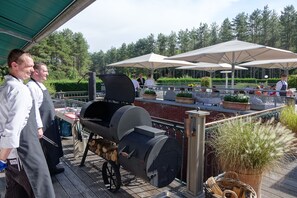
150,61
211,67
234,52
284,64
226,77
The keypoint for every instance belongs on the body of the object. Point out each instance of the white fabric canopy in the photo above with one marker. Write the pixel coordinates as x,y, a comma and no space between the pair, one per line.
150,61
211,67
284,64
234,52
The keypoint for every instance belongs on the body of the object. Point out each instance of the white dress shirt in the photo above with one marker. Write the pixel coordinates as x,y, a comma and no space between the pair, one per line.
279,85
149,83
136,84
15,106
37,95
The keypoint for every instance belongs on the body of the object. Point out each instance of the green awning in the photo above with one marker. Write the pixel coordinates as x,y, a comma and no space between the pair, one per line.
25,22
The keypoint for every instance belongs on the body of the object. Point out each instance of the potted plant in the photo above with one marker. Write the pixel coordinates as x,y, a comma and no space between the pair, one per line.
149,94
251,148
184,97
237,102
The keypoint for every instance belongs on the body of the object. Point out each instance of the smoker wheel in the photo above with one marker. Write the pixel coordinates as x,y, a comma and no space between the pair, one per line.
111,176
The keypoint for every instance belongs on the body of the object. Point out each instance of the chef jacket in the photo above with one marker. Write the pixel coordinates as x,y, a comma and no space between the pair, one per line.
37,95
15,106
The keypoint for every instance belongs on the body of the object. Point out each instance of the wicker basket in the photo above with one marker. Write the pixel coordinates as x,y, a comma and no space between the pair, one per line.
227,185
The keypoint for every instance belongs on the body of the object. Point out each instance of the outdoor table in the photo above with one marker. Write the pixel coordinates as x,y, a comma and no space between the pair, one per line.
70,115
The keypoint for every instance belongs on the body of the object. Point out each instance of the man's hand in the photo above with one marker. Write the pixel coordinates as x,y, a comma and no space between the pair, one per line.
40,133
4,152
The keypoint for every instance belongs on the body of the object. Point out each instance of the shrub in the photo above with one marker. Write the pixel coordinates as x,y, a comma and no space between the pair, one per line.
177,81
184,95
50,87
292,81
206,82
237,98
150,92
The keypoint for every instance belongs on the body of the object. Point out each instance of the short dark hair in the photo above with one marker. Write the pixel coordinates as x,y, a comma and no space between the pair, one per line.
14,56
284,75
37,66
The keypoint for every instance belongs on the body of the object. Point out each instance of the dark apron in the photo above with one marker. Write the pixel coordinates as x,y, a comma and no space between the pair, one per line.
283,90
50,130
33,160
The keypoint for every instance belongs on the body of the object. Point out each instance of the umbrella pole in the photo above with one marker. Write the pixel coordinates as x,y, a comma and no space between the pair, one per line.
226,85
152,73
233,71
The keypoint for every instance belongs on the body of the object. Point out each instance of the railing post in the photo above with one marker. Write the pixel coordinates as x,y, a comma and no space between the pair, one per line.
195,130
92,86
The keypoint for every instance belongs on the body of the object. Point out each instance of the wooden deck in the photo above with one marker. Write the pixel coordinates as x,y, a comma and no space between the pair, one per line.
86,182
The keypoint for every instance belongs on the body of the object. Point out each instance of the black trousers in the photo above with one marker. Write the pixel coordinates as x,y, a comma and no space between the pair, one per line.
17,183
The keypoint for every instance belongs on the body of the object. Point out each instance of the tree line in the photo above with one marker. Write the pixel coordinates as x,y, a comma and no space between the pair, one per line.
67,56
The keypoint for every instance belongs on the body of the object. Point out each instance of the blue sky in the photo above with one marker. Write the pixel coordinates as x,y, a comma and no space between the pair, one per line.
109,23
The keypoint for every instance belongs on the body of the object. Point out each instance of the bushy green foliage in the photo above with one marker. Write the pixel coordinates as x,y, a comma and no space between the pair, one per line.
189,80
71,85
184,95
237,98
292,81
205,82
150,92
177,81
65,53
252,147
244,85
50,87
288,117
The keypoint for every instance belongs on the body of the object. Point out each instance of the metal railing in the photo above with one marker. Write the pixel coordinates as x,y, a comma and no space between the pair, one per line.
176,130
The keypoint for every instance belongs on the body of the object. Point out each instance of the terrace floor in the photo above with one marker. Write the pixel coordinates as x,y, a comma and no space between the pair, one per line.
86,182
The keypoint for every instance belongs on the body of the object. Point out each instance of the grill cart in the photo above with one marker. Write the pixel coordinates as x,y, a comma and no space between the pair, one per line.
127,138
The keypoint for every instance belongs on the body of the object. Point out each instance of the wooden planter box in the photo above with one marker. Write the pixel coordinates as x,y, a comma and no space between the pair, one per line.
236,105
185,100
149,96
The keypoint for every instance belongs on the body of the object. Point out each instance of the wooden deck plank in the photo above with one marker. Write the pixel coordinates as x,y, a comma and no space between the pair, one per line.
78,183
67,185
59,190
277,187
92,180
86,181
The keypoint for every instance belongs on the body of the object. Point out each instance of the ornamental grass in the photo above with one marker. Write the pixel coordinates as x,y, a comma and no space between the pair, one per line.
253,147
288,117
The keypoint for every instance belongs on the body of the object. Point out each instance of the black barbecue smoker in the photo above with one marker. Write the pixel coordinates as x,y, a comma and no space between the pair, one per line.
123,135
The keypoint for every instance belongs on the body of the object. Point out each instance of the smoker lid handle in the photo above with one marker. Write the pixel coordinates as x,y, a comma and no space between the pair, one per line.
125,154
92,119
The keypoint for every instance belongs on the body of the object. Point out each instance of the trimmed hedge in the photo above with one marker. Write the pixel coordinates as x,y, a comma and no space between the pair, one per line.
188,80
69,85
